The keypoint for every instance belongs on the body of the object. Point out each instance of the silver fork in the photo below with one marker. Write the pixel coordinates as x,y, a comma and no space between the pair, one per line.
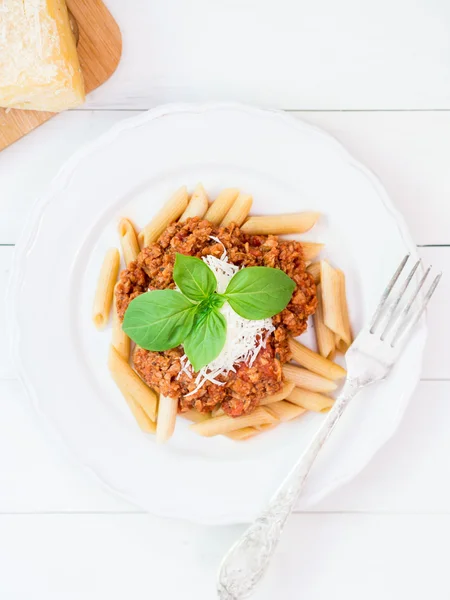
370,358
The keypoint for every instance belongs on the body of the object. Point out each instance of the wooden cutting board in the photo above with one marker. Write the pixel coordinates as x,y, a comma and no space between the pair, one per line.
99,49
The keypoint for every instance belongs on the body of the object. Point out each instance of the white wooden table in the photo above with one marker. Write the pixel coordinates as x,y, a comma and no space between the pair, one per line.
377,76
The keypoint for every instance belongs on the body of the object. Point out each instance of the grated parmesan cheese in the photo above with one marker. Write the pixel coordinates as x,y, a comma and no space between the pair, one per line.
244,339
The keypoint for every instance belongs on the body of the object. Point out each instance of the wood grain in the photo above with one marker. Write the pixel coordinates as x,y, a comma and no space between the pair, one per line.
99,49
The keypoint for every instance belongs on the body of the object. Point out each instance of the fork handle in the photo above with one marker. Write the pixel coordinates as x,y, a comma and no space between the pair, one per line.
248,559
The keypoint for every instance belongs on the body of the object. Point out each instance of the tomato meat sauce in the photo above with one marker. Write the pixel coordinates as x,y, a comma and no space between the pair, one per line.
243,389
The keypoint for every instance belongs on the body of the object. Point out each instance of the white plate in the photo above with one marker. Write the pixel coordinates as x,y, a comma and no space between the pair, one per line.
288,166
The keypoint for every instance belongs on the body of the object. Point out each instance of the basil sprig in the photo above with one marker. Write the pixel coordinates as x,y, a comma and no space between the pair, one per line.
163,319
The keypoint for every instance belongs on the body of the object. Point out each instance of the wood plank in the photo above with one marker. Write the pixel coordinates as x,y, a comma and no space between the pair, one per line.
136,556
99,49
318,55
409,474
408,151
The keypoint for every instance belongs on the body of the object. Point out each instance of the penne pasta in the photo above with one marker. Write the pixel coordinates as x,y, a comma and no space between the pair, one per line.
307,380
287,388
120,340
225,424
311,250
310,400
314,271
267,426
341,346
198,204
125,226
217,411
325,337
343,343
285,411
167,415
171,211
243,434
256,431
142,419
131,385
105,288
281,224
238,211
239,435
130,248
128,240
221,205
315,362
195,416
334,302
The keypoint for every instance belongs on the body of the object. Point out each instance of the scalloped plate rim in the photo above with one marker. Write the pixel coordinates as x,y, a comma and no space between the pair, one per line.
60,180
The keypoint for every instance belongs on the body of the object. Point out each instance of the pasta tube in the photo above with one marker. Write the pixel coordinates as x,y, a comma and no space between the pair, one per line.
238,211
307,380
120,340
287,388
128,240
335,311
314,270
315,362
105,288
285,411
221,205
281,224
131,385
170,212
198,204
325,337
167,416
311,250
310,400
225,424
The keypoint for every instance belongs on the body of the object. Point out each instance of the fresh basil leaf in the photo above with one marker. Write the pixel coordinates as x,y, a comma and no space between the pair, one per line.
194,278
259,292
206,339
159,320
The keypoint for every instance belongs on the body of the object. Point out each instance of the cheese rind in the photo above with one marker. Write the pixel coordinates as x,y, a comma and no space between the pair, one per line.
39,66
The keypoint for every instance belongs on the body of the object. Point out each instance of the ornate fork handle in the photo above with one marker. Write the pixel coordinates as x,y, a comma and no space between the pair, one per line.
247,561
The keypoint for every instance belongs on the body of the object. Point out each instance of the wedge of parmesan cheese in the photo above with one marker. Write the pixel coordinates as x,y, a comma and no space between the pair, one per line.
39,66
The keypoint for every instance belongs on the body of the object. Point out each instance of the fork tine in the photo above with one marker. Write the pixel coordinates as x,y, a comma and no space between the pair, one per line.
391,316
414,296
384,297
409,323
